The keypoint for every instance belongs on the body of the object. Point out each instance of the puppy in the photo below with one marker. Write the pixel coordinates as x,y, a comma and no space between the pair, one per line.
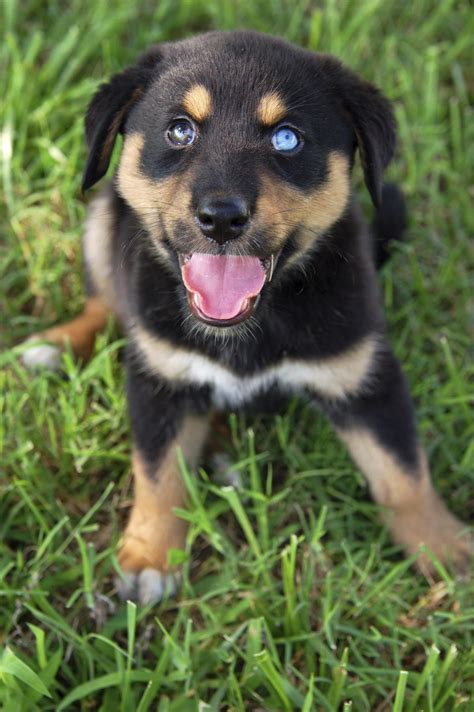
232,252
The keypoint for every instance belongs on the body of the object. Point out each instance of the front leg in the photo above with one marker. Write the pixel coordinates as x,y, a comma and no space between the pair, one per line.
163,420
378,429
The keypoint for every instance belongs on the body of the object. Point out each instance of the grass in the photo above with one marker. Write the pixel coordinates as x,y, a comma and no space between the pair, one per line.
294,598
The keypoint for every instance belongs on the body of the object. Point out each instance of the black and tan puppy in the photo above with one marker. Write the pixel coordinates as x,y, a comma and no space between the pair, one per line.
231,250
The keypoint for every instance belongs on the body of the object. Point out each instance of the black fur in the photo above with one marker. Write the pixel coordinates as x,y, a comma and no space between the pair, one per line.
157,410
108,112
385,409
374,126
316,308
389,223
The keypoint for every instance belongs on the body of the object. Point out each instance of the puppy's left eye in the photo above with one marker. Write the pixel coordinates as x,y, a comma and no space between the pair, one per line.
285,139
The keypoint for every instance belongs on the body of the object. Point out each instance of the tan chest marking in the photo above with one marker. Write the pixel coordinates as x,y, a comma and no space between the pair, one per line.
336,377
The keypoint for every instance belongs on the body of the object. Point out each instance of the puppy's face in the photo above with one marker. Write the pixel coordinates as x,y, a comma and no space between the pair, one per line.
236,157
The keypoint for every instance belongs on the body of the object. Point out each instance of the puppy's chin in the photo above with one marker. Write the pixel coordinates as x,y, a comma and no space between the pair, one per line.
204,331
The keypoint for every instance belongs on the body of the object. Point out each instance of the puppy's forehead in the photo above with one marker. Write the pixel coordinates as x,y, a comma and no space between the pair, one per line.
238,72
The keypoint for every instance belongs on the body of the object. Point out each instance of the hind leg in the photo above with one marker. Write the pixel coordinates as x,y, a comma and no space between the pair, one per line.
80,332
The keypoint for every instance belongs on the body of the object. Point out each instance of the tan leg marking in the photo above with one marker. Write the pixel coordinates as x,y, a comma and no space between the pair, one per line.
153,528
417,515
80,332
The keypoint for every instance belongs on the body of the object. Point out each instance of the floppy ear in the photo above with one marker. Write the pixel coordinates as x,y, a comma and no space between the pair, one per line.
374,125
108,111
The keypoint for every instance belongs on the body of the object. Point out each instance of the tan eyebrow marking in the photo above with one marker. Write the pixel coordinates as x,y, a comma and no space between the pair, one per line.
271,109
197,102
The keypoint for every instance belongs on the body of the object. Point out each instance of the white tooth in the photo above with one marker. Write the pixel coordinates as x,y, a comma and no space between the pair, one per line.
183,258
272,267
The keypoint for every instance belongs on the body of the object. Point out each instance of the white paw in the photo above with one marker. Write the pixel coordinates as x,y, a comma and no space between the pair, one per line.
225,473
147,586
41,355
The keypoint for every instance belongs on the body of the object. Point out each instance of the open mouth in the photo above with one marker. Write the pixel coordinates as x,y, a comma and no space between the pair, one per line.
224,289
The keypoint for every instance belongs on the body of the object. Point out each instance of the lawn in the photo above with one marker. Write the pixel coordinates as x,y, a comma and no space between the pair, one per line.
294,598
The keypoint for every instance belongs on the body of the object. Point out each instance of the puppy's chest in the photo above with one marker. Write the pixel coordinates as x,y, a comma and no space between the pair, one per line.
337,376
231,390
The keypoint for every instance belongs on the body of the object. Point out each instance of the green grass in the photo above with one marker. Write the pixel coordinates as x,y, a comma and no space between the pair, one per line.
294,598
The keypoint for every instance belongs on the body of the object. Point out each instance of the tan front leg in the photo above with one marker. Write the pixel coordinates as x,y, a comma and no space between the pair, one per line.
153,528
416,514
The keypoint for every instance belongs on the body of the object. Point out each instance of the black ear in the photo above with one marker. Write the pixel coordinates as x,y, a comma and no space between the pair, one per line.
374,125
108,111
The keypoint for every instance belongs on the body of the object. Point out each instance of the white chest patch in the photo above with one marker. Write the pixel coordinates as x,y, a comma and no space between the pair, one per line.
336,377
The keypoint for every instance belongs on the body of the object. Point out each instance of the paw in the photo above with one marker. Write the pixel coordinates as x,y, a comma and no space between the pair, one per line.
148,586
143,559
456,550
41,354
225,472
442,533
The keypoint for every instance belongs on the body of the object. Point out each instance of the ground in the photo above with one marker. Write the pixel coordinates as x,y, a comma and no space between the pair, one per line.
294,598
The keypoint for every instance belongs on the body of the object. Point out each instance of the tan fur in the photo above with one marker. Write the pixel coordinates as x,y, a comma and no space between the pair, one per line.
197,103
140,191
285,207
80,333
279,205
271,109
170,197
335,377
416,513
153,528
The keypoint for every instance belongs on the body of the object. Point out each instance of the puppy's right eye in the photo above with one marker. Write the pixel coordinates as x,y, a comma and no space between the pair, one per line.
181,132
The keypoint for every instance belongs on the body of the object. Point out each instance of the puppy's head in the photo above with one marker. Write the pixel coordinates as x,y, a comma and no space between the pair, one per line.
236,158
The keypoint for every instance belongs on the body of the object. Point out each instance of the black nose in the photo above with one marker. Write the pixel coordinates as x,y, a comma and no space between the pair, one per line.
222,219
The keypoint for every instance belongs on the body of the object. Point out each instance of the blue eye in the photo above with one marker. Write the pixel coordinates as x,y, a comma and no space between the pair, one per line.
181,133
285,139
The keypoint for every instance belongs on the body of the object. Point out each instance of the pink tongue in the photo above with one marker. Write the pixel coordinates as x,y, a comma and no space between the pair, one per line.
221,284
